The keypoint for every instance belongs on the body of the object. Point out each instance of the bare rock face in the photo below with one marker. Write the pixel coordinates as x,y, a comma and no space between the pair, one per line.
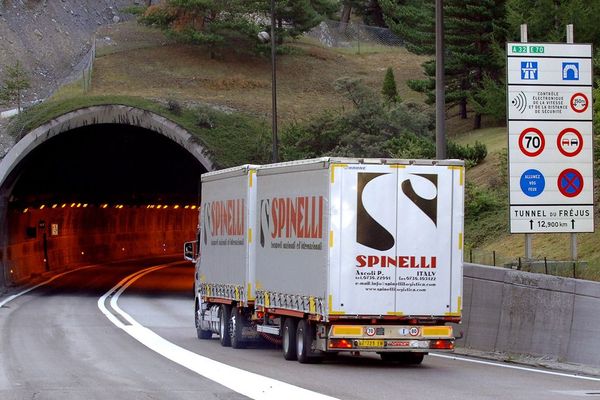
50,37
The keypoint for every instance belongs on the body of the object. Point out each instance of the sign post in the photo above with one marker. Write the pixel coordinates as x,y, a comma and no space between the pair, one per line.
550,139
571,39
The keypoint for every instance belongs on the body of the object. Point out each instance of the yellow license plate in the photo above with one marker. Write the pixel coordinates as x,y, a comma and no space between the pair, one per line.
370,343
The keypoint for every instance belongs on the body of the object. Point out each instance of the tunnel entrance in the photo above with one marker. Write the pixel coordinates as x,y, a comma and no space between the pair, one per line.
107,163
97,193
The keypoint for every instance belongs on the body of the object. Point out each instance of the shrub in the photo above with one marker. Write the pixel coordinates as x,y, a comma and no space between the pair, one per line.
479,200
203,120
409,145
473,155
389,90
174,106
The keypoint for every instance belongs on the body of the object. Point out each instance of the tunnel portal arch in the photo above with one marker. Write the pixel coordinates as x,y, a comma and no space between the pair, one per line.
103,114
81,118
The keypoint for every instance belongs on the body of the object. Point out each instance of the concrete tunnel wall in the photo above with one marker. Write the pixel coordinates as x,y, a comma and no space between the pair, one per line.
525,313
80,236
148,228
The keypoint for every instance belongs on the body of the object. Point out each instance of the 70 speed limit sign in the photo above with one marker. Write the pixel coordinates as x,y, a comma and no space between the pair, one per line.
532,142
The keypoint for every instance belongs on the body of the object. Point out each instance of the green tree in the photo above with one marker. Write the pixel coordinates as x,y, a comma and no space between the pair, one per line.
235,23
413,21
14,85
300,16
369,10
213,23
473,28
389,90
547,19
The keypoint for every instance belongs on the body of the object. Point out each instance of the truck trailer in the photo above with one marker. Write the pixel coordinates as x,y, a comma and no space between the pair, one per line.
333,255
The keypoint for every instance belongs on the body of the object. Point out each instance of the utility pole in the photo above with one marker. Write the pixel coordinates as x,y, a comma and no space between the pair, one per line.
440,92
274,84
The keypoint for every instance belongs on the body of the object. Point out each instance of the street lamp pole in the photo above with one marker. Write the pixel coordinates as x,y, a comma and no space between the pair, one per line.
274,84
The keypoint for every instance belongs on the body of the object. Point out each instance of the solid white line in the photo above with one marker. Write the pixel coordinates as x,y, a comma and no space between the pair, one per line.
495,364
14,296
247,383
102,300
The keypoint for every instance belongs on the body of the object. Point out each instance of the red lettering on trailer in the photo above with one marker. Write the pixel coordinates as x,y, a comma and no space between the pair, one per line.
227,217
299,217
398,262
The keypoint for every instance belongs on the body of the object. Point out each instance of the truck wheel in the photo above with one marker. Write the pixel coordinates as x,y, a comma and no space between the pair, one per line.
289,339
202,334
304,338
225,338
236,326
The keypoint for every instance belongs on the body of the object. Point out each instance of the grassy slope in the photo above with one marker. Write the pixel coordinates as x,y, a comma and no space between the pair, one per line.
160,69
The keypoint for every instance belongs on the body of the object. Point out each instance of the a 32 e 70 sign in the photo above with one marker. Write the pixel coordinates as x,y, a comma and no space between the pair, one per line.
550,137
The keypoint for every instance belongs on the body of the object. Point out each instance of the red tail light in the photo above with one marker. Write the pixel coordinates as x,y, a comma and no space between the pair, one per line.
340,344
442,344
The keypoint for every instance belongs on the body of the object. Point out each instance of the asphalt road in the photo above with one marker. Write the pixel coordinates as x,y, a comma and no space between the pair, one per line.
55,343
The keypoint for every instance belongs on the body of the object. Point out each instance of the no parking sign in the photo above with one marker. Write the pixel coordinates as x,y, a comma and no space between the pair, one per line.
570,182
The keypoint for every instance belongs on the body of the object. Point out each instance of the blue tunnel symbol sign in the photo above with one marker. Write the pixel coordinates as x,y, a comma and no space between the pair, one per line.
570,71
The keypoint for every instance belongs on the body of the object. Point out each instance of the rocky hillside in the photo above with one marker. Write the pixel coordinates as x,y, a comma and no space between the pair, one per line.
50,37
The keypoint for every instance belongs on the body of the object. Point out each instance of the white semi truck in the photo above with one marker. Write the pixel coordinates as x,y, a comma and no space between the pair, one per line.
333,255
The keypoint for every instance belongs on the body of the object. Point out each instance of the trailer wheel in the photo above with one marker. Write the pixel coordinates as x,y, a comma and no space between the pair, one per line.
202,334
304,337
403,358
236,326
289,339
225,338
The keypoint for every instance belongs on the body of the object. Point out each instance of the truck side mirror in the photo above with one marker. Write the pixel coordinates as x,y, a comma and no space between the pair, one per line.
188,251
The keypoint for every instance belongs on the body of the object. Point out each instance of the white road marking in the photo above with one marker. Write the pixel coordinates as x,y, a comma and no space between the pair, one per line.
247,383
14,296
495,364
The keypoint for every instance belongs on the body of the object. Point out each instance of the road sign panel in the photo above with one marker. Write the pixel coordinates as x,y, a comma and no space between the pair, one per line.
556,151
569,142
528,102
549,71
549,50
551,195
532,142
551,219
549,98
570,182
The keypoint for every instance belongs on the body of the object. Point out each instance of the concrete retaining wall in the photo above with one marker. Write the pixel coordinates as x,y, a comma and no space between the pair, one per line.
519,312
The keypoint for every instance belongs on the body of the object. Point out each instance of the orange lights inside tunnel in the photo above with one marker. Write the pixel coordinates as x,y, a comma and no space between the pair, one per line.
114,206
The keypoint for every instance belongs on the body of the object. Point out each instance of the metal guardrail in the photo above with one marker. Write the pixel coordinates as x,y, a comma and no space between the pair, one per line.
543,265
